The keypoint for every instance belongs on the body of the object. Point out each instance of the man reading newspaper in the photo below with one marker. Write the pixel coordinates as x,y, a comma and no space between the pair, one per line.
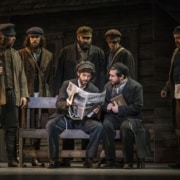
62,120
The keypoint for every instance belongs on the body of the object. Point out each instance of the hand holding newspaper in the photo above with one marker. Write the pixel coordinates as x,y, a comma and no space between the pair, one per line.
82,103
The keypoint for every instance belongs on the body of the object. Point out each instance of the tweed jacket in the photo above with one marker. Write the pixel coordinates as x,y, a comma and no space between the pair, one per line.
133,95
68,59
46,75
19,77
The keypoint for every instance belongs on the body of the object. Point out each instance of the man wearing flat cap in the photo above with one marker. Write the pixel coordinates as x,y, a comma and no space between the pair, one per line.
79,51
13,90
117,53
173,85
38,64
62,120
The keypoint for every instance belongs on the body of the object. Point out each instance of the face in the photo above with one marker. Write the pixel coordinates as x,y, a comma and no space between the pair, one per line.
177,40
113,45
34,41
84,77
84,41
11,41
114,79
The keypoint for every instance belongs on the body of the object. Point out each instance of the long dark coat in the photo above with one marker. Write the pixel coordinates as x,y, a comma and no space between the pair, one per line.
68,59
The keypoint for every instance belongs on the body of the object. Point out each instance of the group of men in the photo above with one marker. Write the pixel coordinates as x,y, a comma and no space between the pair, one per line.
25,72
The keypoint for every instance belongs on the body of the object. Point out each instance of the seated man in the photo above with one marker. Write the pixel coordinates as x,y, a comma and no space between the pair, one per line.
124,115
61,120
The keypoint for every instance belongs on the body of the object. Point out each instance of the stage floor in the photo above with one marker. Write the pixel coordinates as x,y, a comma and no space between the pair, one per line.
77,172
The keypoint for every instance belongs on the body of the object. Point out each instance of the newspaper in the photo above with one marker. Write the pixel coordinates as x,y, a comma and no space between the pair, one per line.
82,102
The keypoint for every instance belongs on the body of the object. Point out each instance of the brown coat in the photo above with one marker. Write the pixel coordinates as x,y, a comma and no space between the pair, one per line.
46,74
19,77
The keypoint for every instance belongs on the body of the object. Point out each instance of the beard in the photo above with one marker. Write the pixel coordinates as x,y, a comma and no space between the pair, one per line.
84,46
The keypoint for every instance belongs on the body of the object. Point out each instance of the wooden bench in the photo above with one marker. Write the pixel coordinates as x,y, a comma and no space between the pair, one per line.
49,103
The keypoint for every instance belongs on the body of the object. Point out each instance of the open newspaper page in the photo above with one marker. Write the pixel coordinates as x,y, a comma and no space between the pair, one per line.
82,102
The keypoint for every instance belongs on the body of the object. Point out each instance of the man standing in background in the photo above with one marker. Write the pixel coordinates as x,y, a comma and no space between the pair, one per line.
117,53
173,84
38,68
13,90
73,54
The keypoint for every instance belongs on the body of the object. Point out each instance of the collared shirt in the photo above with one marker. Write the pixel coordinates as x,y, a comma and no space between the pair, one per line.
117,89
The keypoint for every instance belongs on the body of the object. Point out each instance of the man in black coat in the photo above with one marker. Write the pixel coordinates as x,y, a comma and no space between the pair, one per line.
118,53
61,120
125,116
73,54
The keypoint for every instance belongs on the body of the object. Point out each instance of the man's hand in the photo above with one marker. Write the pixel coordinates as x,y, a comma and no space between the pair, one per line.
163,94
23,101
115,107
109,106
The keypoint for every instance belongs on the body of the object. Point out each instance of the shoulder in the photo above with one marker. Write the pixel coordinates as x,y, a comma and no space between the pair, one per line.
92,88
134,83
95,48
46,51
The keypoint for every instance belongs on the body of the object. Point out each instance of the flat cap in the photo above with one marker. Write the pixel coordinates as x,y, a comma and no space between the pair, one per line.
176,30
84,30
85,65
7,29
113,33
35,31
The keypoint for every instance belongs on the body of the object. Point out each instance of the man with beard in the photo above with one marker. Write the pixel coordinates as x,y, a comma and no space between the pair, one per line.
13,90
38,68
126,117
117,53
61,120
173,84
81,50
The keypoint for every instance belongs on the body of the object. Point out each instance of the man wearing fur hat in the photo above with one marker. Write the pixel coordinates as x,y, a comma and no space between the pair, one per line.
38,63
173,85
61,120
13,90
117,53
79,51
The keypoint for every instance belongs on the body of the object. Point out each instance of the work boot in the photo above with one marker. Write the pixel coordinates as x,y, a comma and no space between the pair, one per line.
36,163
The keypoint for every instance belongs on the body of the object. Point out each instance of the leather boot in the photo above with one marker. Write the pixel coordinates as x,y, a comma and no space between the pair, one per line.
141,163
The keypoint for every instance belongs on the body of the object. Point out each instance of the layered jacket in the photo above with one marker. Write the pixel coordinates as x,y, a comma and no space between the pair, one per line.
19,77
46,69
124,56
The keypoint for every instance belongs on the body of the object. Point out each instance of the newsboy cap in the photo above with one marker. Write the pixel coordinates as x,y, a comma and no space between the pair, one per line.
7,29
84,30
35,31
113,33
85,65
176,30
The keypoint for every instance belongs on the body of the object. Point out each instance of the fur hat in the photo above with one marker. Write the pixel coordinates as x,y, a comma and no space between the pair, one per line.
7,29
85,65
35,31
